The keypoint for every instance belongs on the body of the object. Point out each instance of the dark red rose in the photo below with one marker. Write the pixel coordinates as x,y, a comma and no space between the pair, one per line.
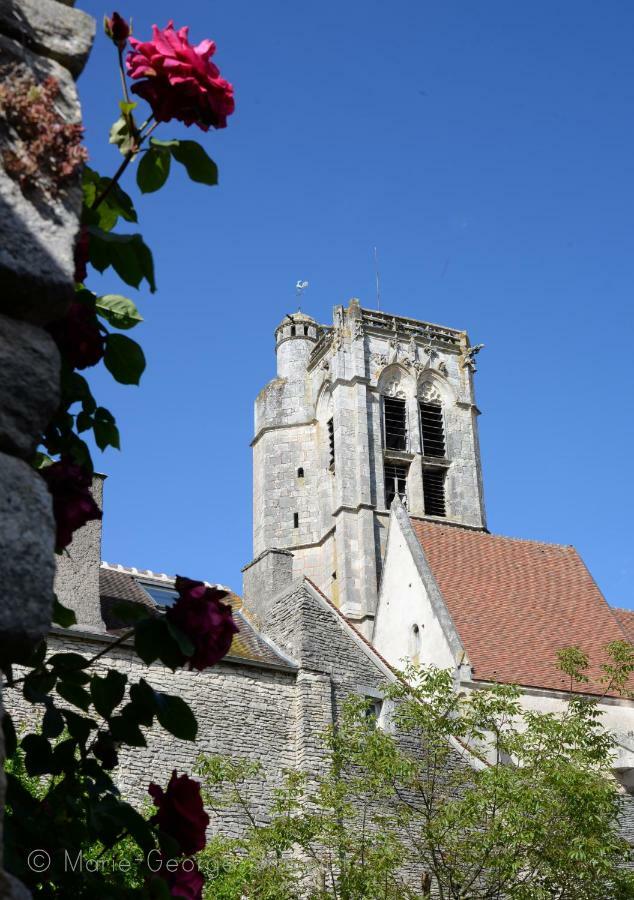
117,30
73,504
180,813
207,622
82,255
178,80
187,881
105,750
79,336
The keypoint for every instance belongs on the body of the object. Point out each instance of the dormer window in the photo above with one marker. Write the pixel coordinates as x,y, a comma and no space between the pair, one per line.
395,417
162,596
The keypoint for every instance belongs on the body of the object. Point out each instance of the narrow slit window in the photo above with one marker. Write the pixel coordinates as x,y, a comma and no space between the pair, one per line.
434,492
395,423
292,331
305,329
295,520
300,472
432,429
395,482
331,445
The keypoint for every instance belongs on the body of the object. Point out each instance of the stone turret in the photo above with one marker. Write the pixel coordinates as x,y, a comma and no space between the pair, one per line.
374,406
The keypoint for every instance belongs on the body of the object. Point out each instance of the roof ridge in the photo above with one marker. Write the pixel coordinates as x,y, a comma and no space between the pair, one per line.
621,609
504,537
158,576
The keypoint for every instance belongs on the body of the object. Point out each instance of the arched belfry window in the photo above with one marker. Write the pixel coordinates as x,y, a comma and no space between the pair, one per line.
431,421
432,430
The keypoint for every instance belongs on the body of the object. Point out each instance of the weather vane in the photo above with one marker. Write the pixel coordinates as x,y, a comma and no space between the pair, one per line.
300,287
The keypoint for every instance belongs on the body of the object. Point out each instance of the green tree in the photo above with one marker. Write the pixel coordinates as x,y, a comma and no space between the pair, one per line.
472,795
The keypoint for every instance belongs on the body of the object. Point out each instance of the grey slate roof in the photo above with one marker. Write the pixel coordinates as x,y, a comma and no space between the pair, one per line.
118,584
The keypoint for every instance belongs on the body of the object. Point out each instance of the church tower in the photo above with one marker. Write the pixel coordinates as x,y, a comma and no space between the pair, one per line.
370,407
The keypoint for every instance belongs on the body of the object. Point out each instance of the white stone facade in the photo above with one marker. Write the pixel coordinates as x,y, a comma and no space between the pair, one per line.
333,517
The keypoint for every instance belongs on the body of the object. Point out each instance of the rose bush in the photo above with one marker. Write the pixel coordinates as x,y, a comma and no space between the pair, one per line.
207,622
61,794
178,80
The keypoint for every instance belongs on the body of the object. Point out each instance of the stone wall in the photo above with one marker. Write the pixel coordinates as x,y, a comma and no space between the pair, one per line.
38,39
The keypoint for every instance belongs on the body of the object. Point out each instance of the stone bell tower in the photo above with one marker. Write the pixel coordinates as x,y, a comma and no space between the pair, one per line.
370,407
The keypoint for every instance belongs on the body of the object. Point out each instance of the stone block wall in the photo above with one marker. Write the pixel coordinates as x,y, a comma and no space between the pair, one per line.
39,39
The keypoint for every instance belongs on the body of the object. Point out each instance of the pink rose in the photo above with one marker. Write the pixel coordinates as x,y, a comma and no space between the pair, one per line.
207,622
117,29
73,504
180,813
178,80
79,336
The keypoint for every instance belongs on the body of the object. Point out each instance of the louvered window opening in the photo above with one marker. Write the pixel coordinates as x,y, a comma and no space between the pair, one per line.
331,445
432,429
395,482
434,492
395,424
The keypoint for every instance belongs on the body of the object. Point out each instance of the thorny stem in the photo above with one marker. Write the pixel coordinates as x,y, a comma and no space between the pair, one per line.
124,83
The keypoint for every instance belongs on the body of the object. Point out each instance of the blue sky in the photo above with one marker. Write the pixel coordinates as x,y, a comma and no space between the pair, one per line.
487,150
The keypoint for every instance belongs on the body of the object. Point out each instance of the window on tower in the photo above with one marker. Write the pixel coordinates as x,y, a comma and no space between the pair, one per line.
434,492
331,444
432,429
395,475
395,423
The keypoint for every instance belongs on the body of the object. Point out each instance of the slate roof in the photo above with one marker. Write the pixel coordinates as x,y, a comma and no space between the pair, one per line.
118,584
515,603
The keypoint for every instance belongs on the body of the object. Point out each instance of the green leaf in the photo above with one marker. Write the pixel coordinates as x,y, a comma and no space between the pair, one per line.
74,693
200,167
129,256
62,615
118,311
78,726
104,428
67,662
124,359
185,645
121,135
128,612
142,707
126,106
37,685
125,730
153,170
152,640
83,421
107,693
39,756
176,716
53,722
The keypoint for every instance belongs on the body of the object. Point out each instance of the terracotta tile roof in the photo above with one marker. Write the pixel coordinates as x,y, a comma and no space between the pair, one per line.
625,618
118,584
516,602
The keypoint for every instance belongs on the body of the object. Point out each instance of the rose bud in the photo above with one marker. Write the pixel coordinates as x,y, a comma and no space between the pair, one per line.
117,29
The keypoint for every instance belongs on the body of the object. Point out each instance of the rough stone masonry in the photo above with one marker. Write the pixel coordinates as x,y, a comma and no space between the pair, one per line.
38,39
